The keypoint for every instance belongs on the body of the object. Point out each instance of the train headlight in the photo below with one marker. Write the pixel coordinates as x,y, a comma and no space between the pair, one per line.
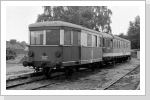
57,53
31,54
25,63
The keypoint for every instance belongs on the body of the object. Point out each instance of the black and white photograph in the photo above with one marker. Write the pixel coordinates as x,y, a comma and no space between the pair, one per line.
73,48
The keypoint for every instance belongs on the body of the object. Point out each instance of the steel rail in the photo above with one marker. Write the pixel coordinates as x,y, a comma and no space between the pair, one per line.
106,87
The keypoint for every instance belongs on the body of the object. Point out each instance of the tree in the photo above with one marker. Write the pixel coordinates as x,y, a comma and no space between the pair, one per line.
93,17
123,36
134,33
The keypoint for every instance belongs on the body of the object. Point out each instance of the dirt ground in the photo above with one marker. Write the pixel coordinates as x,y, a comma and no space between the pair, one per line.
129,82
12,69
87,79
15,66
99,79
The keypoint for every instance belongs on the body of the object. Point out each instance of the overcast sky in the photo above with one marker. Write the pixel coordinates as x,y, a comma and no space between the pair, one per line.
19,17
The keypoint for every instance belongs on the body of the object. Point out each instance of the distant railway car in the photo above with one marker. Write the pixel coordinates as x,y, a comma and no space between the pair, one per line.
121,49
61,46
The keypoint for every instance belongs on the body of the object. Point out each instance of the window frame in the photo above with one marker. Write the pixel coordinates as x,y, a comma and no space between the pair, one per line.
44,37
71,37
91,41
93,44
78,39
99,41
35,38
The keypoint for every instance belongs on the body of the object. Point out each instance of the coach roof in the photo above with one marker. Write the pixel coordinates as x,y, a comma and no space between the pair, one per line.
66,24
118,38
54,23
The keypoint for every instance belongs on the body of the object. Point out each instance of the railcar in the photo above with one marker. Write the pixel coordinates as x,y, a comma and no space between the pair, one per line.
62,46
121,49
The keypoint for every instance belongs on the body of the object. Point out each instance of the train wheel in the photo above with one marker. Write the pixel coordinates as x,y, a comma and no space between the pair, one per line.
99,65
69,72
93,67
77,69
47,72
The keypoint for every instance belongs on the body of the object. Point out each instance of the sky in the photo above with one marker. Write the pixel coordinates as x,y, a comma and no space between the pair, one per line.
18,19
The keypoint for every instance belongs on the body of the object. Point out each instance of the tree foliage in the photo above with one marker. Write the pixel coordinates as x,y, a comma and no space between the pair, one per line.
93,17
122,35
133,33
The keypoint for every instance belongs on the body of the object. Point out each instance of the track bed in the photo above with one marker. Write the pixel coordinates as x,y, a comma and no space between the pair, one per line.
87,79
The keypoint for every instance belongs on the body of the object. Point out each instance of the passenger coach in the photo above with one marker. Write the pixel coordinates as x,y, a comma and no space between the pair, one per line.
61,46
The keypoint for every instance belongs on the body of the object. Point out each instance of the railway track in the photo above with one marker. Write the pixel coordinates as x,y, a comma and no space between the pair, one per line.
15,83
114,82
19,82
39,82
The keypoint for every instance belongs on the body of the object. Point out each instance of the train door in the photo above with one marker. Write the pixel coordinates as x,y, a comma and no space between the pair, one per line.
75,50
67,46
71,47
86,47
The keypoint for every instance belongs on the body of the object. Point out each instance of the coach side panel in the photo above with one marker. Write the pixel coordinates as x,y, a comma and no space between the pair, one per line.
91,50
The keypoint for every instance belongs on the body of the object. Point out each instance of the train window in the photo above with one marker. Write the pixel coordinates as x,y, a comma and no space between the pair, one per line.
94,41
104,42
67,37
75,37
32,38
37,37
123,45
128,45
111,43
120,44
52,37
116,44
99,41
89,40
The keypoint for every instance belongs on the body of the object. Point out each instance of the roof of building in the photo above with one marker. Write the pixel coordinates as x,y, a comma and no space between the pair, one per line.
13,45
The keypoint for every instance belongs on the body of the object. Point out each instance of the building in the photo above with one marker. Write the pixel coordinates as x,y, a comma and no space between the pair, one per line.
15,46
